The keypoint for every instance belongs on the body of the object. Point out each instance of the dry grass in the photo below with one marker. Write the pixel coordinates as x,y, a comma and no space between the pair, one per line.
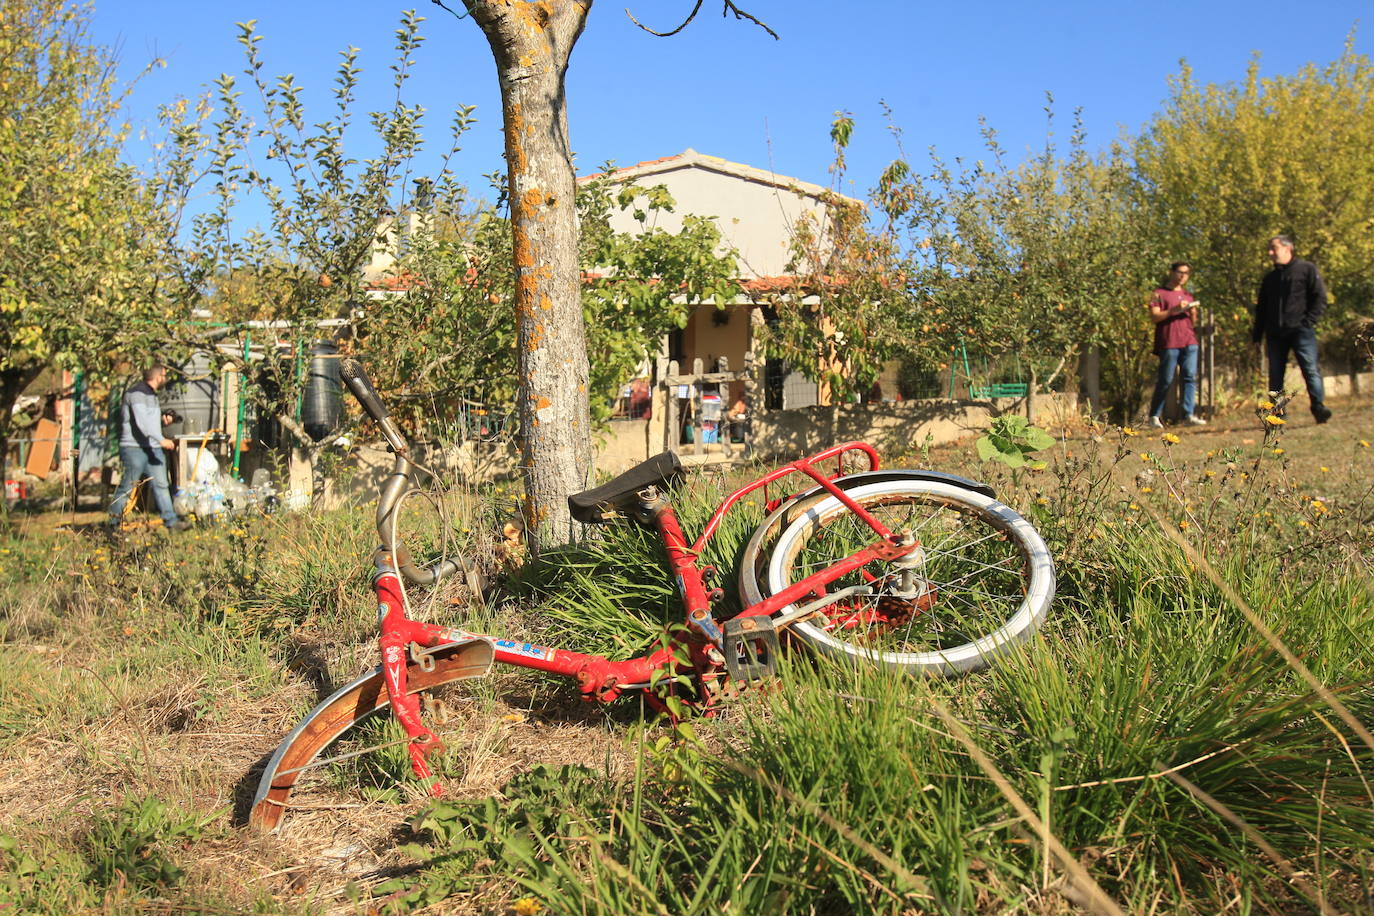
101,720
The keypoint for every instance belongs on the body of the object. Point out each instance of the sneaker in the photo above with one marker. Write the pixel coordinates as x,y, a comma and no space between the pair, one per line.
1194,420
179,525
1156,423
1321,413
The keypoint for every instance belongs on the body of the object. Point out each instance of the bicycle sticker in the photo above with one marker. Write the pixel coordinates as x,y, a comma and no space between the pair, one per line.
529,650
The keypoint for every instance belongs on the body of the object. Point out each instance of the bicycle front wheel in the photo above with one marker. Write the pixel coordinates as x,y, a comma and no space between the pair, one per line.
980,582
296,778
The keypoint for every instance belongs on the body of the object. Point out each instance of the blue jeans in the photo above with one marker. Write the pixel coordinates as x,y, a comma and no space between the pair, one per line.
1302,342
1184,358
137,465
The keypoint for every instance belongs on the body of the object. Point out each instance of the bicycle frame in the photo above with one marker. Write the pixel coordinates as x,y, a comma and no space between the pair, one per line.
599,678
416,655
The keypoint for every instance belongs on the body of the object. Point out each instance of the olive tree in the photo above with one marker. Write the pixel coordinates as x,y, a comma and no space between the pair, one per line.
1033,262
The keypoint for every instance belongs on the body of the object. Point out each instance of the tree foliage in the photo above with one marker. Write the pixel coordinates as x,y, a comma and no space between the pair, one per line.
1031,261
841,319
1225,167
640,285
449,330
305,274
75,280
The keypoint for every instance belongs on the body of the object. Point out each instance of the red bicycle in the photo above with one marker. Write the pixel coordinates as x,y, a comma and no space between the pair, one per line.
917,570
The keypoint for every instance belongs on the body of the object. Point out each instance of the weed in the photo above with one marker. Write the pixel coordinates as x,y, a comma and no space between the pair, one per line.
130,846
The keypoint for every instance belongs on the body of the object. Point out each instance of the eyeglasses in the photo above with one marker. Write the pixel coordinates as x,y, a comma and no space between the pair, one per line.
1182,271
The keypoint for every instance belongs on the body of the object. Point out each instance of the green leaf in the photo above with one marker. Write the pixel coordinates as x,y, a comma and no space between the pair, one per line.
1037,439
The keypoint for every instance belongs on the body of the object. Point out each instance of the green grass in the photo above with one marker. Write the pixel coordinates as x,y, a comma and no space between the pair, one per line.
1151,728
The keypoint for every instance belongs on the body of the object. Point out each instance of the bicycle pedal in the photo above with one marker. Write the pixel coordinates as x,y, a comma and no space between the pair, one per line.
750,648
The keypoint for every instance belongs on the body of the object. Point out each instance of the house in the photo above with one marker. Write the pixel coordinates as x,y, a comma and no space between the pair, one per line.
756,211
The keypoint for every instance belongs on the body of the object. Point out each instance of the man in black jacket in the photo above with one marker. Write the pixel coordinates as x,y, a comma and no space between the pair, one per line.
1291,299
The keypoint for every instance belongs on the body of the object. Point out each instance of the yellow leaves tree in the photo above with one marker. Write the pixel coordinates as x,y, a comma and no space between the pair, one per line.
74,221
1225,167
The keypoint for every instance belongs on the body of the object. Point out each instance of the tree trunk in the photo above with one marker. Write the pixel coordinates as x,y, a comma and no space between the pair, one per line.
1090,371
532,42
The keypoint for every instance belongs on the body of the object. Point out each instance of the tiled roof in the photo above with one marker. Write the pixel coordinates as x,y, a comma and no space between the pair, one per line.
690,158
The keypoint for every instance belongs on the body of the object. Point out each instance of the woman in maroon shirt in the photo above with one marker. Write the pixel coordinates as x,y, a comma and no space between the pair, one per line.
1172,309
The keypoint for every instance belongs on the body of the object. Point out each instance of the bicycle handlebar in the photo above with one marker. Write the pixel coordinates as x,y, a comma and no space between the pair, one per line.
396,485
355,377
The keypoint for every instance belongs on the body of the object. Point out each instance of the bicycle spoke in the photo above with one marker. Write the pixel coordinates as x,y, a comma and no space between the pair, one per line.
975,575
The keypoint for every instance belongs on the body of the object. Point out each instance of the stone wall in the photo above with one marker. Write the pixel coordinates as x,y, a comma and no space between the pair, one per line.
776,435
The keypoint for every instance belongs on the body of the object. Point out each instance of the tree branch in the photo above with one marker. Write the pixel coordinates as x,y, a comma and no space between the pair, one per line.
456,15
741,14
727,7
690,16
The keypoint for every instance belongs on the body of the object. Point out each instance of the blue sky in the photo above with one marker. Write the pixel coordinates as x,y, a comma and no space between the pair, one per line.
726,88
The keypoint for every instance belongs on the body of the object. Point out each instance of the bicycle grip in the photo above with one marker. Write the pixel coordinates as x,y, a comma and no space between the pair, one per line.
355,377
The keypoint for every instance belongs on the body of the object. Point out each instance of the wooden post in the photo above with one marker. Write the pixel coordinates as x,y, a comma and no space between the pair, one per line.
698,370
672,435
658,409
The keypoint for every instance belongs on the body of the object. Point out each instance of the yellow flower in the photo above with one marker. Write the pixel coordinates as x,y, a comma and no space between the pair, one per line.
1273,420
1210,474
1266,404
1183,525
1144,456
1325,469
1042,501
1278,451
528,906
1128,431
1147,489
1364,443
1134,507
1171,438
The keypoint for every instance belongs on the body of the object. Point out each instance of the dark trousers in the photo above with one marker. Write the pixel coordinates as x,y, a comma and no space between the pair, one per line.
1302,343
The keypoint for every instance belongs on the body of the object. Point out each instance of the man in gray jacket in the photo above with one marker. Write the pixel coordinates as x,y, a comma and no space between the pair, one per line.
142,448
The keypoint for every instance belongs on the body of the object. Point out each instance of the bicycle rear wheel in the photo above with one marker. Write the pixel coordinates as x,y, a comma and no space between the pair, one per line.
295,760
983,577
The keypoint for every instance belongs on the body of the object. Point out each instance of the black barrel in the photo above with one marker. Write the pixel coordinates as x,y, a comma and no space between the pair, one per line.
322,404
192,393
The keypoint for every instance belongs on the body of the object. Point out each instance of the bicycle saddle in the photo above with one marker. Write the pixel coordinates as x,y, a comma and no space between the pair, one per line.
598,505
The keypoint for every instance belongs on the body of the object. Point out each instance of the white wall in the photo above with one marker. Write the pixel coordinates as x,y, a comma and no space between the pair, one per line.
754,216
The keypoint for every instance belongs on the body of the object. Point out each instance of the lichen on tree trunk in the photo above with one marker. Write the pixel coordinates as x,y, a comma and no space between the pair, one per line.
532,43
